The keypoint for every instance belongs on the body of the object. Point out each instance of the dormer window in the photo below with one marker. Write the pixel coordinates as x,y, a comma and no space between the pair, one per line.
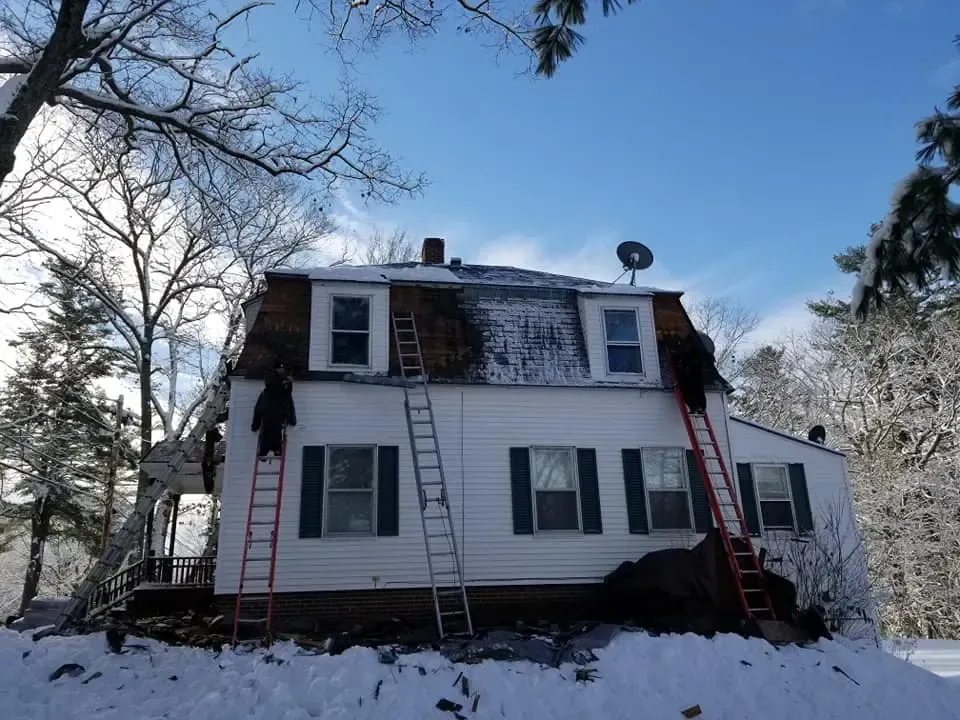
350,330
621,330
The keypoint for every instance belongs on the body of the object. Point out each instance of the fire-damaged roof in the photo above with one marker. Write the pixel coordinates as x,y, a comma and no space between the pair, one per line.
477,323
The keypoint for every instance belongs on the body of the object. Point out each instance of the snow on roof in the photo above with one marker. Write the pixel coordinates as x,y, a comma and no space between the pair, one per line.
726,676
527,337
788,436
497,275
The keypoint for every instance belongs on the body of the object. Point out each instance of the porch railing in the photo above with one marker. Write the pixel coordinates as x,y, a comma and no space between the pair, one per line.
174,571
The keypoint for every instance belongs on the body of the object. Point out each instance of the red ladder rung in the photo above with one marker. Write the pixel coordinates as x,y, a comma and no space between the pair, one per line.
697,425
257,503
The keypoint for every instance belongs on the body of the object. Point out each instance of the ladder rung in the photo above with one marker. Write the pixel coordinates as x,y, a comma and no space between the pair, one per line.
263,505
446,553
257,541
438,535
452,612
429,483
429,467
421,422
423,437
257,578
261,522
258,559
453,591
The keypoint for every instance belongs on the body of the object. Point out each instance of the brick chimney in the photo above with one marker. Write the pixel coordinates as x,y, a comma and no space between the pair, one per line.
432,253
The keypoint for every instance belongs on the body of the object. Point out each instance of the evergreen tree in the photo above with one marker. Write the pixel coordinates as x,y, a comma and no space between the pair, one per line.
62,436
919,241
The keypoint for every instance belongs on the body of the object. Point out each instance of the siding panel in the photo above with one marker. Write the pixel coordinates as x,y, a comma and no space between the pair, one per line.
476,456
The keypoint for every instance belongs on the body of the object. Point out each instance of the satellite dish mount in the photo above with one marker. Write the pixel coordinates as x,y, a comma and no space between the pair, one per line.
634,256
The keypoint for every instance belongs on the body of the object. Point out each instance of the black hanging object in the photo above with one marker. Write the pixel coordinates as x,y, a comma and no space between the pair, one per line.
817,434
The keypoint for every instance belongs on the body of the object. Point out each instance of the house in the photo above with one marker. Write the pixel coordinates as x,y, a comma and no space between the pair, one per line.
564,448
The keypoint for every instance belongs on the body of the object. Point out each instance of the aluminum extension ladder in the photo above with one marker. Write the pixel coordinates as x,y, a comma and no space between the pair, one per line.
443,559
126,538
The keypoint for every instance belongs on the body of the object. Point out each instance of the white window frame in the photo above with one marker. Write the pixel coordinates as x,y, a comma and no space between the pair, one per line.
328,464
685,472
576,489
368,332
620,343
756,491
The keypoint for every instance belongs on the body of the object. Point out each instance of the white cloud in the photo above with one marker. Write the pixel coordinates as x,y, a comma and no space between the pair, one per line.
790,317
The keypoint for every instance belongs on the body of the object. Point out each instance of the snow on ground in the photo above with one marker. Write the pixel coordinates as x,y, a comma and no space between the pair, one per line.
638,677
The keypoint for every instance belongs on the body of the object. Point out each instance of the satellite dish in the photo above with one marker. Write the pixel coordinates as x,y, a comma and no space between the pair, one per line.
634,256
707,343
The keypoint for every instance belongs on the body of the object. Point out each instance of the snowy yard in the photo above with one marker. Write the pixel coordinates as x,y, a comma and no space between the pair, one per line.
637,676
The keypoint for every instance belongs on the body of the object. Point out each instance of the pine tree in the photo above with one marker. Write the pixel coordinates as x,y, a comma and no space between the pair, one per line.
61,443
919,241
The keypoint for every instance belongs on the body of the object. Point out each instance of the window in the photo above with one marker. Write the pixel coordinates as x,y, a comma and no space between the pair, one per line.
773,493
622,334
350,490
350,330
668,494
555,496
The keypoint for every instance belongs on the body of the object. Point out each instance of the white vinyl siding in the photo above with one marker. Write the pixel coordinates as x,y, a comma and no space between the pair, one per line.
322,332
592,320
476,425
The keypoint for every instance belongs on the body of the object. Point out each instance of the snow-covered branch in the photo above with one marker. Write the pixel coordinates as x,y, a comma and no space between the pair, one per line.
162,71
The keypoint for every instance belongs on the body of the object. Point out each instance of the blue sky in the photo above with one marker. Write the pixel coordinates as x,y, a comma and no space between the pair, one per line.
744,142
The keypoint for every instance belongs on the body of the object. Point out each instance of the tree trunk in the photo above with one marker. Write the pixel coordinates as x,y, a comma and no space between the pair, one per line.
39,531
41,80
162,520
146,436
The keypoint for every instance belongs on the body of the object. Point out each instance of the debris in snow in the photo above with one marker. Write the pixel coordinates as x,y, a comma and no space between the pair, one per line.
654,676
100,674
692,711
843,672
68,669
586,675
449,706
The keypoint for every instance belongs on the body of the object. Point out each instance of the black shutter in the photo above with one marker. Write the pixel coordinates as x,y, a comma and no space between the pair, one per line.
702,514
589,491
521,491
748,499
801,499
636,496
311,492
388,490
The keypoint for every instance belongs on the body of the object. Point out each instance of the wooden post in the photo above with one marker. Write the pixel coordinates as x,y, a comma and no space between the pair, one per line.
173,524
112,475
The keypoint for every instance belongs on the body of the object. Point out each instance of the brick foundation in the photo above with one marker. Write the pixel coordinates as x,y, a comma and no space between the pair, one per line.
494,605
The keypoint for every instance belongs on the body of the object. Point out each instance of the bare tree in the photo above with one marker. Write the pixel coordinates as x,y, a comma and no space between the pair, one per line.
171,264
888,393
379,249
829,571
729,325
162,70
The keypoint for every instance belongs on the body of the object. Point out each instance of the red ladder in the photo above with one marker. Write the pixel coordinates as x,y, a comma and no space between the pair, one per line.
261,499
747,573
